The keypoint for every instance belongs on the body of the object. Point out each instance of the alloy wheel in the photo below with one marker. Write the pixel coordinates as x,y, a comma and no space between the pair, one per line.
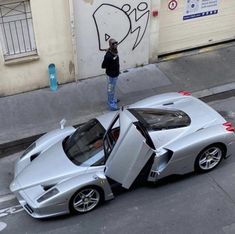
86,199
210,158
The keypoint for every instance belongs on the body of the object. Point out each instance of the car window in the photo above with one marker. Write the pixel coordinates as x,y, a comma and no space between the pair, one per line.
85,145
159,119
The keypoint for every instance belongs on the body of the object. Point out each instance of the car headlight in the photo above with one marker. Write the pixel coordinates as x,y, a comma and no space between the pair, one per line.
48,195
30,148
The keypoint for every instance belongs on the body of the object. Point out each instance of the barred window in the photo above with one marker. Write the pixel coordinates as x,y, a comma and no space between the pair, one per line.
16,29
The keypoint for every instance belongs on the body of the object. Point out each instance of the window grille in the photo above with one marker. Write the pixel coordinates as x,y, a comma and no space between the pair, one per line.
16,30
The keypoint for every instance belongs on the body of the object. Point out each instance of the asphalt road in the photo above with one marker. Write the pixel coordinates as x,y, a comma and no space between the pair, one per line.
194,203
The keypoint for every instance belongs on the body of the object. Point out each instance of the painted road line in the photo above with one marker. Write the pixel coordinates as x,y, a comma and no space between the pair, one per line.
10,210
7,198
2,226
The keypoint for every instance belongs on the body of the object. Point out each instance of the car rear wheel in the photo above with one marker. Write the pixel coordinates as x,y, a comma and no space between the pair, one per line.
209,158
85,200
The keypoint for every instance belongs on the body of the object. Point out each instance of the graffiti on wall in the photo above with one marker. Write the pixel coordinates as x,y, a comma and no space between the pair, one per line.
115,22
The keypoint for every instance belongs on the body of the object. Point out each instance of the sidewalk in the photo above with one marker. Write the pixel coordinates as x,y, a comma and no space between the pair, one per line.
33,113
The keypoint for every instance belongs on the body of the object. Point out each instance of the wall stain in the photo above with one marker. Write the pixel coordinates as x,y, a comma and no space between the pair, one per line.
71,67
89,1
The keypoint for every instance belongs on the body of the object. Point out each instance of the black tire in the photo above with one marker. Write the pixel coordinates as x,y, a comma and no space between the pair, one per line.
209,158
86,200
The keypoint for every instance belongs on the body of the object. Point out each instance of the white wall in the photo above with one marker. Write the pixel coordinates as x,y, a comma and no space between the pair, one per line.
51,19
96,22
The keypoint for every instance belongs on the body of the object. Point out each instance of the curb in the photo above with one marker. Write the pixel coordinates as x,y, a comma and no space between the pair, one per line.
6,149
215,90
207,95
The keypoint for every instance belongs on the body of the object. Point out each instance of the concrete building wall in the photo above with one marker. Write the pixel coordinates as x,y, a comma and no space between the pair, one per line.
52,29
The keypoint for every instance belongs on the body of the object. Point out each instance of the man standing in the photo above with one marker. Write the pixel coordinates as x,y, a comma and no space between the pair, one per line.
111,64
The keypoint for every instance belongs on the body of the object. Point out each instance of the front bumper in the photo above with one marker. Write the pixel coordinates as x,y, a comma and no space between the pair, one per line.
40,212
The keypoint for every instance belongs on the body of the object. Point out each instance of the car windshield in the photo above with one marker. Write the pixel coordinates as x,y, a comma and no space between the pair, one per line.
85,146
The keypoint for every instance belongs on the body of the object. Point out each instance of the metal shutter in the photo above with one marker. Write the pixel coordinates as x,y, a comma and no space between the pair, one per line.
176,34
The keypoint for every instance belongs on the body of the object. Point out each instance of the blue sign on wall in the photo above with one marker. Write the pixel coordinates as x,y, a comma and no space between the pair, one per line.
200,8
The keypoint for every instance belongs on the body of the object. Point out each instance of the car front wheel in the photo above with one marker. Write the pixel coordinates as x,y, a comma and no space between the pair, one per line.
209,158
85,200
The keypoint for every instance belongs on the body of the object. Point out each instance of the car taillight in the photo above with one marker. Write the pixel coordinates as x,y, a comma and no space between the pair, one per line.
185,93
229,127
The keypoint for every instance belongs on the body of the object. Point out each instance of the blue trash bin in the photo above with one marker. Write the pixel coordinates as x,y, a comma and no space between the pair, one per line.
52,77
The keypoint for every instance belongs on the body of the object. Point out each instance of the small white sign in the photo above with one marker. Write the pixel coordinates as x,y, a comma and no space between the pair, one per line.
172,4
200,8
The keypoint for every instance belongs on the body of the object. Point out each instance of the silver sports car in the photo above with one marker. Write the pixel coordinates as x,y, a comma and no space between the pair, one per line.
74,169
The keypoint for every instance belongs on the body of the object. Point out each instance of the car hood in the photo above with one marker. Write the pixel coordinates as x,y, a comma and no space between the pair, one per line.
50,167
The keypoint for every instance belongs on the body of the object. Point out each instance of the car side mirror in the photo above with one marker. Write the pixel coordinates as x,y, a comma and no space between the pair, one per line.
62,123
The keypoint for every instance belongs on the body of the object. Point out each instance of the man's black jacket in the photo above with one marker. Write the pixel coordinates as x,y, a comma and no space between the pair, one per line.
111,64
